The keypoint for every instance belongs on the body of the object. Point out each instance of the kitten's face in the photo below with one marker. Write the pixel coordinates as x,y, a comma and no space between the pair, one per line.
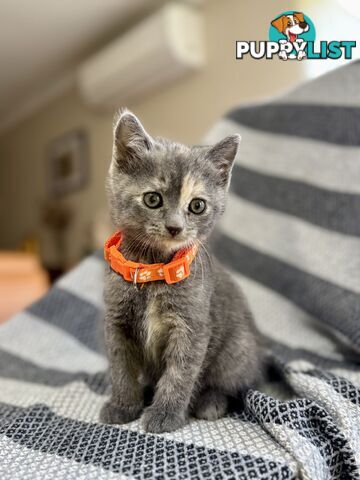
163,194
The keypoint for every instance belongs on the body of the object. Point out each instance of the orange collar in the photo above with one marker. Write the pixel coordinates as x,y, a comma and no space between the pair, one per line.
175,271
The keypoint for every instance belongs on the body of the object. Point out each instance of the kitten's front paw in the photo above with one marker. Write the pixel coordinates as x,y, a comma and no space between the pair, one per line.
212,405
111,413
159,421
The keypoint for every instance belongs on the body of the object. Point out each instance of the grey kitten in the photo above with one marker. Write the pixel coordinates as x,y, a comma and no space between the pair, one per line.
193,342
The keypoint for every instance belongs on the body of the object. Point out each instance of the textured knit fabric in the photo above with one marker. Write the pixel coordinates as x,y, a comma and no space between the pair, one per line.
291,237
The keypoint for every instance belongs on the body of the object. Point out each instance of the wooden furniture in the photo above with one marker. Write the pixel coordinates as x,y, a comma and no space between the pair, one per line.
22,281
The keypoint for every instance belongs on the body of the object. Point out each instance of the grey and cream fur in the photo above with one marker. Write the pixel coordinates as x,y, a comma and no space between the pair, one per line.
193,343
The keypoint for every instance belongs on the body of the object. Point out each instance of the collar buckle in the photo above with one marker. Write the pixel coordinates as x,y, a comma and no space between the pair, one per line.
176,271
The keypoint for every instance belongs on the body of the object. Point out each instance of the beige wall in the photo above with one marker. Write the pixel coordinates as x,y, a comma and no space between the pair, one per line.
183,111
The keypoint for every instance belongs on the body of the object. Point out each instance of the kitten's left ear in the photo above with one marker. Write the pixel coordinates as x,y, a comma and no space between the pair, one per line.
223,154
130,137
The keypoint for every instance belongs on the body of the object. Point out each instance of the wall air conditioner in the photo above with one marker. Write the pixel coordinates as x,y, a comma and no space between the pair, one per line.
161,49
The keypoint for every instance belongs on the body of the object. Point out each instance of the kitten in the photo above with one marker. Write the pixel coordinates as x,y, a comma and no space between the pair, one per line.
193,342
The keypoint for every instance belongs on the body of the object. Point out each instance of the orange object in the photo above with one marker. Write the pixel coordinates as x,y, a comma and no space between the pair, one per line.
175,271
22,281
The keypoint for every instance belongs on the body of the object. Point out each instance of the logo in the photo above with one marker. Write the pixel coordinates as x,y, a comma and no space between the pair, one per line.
292,37
292,30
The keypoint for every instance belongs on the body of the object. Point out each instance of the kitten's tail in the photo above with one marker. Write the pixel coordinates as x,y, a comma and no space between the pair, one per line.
273,368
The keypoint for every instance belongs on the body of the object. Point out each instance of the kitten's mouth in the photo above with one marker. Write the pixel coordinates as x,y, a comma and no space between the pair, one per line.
174,244
168,244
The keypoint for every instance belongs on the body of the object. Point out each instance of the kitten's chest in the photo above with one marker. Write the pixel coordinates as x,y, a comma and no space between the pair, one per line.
157,325
154,316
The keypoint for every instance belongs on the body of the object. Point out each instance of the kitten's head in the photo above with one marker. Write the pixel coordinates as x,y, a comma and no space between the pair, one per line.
165,194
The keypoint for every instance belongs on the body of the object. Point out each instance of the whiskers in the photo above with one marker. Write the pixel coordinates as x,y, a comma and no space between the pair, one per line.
200,243
199,260
140,247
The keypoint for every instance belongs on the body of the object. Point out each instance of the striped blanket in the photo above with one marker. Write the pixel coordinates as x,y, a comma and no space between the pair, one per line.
291,235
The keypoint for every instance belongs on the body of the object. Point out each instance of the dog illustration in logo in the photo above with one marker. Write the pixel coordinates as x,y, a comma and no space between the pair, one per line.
291,26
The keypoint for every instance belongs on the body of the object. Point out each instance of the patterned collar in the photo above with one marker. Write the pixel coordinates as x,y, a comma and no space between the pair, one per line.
176,270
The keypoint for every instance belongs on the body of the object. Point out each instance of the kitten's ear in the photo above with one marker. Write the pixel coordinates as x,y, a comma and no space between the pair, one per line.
223,154
130,137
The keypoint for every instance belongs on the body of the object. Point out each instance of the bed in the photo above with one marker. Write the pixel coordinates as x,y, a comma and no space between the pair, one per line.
291,236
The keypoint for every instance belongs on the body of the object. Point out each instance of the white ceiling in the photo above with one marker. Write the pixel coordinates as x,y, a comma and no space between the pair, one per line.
41,42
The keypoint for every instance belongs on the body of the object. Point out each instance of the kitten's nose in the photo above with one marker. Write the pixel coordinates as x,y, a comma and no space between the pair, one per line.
173,230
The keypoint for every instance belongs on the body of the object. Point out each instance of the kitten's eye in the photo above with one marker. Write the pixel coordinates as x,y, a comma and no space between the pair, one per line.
197,206
153,200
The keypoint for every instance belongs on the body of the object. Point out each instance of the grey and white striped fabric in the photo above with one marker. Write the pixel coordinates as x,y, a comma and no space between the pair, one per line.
291,237
293,221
